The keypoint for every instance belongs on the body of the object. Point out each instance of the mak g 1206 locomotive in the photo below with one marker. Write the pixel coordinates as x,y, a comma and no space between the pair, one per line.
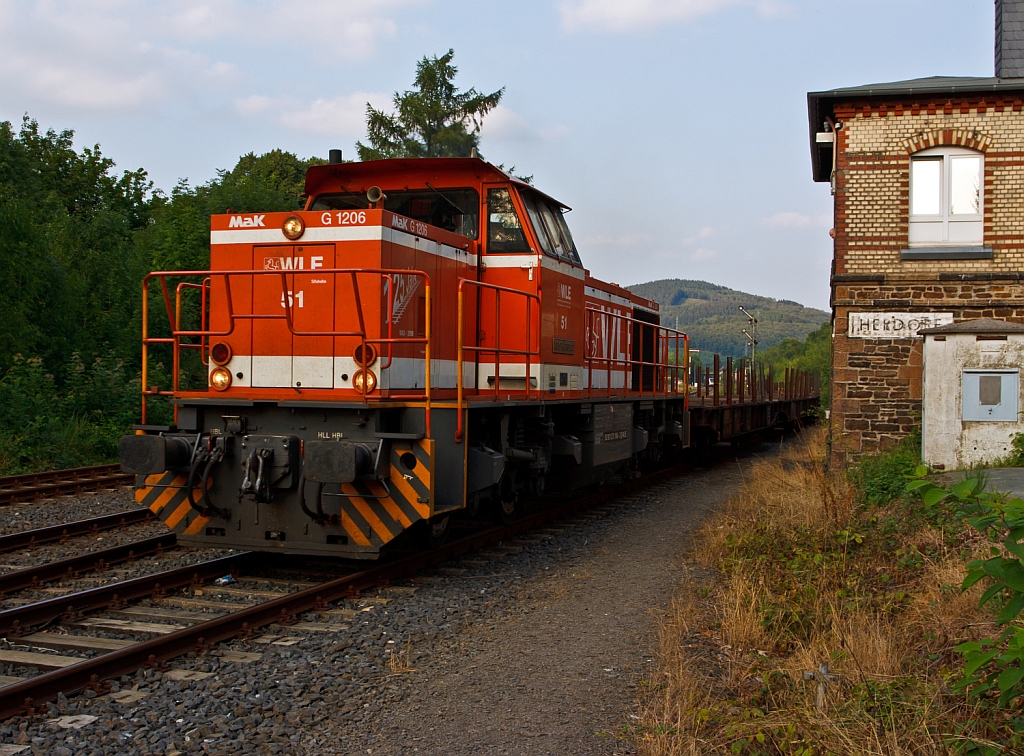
421,339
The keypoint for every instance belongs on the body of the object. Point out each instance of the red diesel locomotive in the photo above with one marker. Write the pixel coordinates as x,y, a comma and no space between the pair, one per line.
421,339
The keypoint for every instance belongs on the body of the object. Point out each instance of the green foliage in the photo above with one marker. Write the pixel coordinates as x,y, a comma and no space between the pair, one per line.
1016,457
882,478
433,120
710,316
814,354
993,665
69,265
78,239
45,424
179,238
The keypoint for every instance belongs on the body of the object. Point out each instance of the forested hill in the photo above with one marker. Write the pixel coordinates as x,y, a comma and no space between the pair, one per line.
709,314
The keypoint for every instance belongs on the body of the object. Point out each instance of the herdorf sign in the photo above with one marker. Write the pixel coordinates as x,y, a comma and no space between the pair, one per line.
894,325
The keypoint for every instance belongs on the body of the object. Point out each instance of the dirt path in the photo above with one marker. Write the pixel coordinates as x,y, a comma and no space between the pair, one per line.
558,674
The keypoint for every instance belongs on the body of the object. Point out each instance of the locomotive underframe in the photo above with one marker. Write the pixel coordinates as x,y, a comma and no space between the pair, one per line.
248,497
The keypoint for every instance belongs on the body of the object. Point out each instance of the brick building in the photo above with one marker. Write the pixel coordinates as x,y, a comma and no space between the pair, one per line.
928,180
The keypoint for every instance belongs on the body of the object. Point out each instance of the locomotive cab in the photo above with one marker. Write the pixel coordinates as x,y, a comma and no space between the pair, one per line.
420,339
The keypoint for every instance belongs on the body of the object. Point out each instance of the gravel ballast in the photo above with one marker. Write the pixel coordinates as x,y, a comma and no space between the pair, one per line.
534,647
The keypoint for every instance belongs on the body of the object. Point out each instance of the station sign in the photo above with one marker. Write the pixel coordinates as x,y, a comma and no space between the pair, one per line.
893,325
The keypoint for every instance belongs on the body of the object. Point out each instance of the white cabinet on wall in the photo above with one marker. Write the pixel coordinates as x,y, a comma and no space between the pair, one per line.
972,392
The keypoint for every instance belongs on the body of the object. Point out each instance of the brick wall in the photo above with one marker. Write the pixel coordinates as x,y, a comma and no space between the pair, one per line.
876,395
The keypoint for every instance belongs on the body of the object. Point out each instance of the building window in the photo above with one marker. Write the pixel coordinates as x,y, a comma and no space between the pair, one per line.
946,197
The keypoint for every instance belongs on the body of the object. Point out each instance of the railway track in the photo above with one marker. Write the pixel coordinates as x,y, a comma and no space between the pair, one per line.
34,486
27,539
27,625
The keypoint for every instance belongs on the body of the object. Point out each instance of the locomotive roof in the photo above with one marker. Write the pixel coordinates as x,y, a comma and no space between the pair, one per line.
429,169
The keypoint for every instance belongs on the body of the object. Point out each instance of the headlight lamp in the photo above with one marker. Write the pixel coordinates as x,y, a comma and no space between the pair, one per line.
293,227
220,378
364,381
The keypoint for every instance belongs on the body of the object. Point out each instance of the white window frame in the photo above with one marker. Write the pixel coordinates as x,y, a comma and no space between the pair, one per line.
946,229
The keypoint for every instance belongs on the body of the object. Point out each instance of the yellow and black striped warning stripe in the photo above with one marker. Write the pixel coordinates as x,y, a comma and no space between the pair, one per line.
372,515
165,495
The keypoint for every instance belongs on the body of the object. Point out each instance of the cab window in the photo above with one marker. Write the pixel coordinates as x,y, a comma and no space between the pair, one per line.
504,229
538,226
551,229
451,209
568,243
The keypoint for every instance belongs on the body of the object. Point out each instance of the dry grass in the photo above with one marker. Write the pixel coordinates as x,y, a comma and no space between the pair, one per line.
805,576
400,659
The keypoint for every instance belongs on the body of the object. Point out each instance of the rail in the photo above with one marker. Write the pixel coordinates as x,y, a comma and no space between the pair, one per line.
205,332
656,370
497,350
31,486
743,383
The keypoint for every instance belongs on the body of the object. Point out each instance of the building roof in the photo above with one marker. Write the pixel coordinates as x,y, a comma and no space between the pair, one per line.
820,104
978,325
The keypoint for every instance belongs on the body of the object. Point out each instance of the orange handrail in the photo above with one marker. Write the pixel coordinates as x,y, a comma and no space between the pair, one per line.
205,333
664,339
530,351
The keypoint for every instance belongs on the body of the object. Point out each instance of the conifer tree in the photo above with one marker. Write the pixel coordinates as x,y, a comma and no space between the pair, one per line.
433,120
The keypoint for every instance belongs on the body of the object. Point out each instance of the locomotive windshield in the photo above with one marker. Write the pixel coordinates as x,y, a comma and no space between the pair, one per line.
504,230
551,229
453,210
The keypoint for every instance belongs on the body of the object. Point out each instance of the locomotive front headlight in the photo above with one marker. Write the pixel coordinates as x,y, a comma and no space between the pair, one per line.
364,380
293,227
220,378
220,353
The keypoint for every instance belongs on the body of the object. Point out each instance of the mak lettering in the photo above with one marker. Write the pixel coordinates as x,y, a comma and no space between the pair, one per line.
253,221
894,325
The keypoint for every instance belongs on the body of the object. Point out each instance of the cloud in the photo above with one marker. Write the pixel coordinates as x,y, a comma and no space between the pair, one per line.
706,232
127,55
339,115
617,16
703,254
336,116
340,30
798,220
505,124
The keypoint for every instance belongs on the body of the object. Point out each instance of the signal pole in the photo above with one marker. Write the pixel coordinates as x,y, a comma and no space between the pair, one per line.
752,335
752,340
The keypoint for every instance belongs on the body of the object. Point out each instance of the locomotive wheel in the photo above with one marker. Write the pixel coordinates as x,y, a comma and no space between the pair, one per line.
507,508
506,501
436,531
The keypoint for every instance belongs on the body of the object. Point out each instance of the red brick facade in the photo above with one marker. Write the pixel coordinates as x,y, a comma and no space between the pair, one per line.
876,383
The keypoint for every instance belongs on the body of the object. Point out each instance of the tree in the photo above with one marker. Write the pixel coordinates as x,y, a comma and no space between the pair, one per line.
433,120
813,355
180,236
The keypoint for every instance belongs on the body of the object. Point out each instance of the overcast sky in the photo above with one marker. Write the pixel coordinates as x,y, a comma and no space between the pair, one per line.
675,129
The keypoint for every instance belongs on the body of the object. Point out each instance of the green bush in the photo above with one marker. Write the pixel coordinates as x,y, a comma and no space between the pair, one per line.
882,478
45,424
994,669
